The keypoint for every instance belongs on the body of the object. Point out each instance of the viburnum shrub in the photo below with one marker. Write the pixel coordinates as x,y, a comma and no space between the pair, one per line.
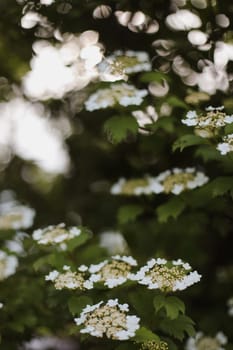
116,175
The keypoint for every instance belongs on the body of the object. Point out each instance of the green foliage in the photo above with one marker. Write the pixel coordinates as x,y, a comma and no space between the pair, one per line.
120,128
221,185
172,305
77,304
129,213
178,327
187,141
195,226
143,334
172,208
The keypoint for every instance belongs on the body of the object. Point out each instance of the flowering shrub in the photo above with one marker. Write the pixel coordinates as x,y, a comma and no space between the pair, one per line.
116,167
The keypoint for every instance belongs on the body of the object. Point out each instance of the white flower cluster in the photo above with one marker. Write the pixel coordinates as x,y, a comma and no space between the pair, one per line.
58,69
178,180
114,242
170,181
207,124
69,279
166,276
113,272
227,145
123,94
110,319
120,63
203,342
230,306
8,265
55,234
14,216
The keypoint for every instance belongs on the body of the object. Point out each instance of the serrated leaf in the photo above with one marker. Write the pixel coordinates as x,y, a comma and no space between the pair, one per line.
187,141
118,128
221,185
172,208
144,334
178,327
77,304
129,213
172,305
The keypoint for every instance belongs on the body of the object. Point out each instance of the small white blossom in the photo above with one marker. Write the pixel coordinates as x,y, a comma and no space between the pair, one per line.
110,319
226,146
114,242
52,276
123,94
46,2
8,265
145,117
15,245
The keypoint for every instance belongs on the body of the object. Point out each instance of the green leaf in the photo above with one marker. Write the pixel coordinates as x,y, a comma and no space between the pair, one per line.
207,153
44,260
176,102
129,213
172,208
77,304
79,240
144,334
119,128
187,141
172,305
221,185
178,327
164,123
149,77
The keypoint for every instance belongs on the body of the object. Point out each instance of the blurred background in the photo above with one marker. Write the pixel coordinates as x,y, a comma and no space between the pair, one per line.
55,156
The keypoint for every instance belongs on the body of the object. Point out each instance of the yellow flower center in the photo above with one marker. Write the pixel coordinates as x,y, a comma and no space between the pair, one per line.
70,280
115,269
7,221
208,343
56,232
130,186
166,277
177,179
108,320
152,345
